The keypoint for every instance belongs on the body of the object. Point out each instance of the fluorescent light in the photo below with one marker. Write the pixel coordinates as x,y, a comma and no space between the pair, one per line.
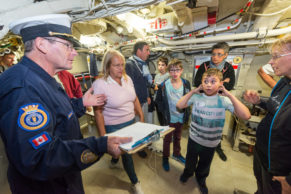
91,41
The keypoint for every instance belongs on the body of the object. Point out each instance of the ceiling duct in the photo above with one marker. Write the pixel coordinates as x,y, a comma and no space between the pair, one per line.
96,26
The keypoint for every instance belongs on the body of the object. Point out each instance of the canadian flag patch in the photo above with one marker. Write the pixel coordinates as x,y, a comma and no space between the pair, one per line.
40,140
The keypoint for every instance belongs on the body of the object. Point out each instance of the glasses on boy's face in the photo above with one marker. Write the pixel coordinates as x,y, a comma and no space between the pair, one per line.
175,70
217,54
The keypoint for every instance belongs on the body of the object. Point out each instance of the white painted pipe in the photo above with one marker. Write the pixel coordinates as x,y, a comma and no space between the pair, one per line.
229,37
209,45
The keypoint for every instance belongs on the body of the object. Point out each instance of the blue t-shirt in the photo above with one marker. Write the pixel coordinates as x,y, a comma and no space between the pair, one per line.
207,118
173,96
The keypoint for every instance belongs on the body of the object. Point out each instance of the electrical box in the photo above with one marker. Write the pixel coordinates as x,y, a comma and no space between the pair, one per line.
166,22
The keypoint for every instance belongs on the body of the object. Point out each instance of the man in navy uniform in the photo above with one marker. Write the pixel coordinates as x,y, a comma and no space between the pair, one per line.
38,121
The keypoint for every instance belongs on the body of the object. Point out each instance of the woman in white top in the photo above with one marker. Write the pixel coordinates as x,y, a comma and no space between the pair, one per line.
120,108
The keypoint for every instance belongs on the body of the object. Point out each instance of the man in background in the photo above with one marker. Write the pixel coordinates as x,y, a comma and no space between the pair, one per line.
137,69
266,72
6,60
70,84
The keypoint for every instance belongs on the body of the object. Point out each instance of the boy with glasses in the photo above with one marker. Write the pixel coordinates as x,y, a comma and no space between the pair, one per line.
169,92
219,53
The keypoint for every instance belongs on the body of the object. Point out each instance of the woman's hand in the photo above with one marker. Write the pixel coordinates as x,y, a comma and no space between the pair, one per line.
286,188
252,96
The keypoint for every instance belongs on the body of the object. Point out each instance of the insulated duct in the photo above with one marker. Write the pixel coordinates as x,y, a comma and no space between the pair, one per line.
261,34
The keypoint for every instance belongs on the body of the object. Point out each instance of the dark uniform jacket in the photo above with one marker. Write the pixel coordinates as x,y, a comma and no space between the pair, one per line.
163,104
227,72
41,133
273,135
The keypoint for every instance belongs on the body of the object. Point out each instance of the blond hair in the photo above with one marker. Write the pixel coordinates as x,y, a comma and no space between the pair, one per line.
213,72
175,63
107,60
285,42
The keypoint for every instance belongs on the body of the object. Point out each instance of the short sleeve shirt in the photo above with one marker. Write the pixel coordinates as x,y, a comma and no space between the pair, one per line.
207,118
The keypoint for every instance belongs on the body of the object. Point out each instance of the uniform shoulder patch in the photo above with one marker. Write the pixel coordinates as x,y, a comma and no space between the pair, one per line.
88,157
32,117
70,114
40,140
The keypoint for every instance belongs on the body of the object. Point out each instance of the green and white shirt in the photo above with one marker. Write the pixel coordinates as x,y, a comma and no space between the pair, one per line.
207,118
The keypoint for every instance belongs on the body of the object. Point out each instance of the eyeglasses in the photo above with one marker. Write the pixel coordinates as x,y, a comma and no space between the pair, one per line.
275,57
217,54
68,45
117,65
175,70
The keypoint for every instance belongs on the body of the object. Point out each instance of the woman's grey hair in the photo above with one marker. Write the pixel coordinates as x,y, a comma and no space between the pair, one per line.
284,42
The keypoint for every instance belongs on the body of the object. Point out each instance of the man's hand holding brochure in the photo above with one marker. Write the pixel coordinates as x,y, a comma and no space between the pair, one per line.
141,133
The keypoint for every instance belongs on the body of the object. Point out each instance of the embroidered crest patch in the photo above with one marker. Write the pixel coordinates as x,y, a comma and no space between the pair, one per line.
40,140
32,117
88,157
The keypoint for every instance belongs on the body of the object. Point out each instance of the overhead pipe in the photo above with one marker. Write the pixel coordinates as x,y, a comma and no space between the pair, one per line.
208,46
198,32
262,33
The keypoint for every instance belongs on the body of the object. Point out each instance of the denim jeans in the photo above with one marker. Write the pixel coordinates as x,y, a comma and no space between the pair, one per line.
126,158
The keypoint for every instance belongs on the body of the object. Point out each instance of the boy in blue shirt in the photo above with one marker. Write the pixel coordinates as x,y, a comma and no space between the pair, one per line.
170,91
208,116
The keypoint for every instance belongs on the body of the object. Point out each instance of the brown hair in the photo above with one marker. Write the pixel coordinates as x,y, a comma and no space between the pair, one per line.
163,60
285,41
213,72
138,45
106,62
221,45
175,63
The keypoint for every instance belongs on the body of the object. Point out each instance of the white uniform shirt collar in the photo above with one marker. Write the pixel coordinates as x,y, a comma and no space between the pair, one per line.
111,80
